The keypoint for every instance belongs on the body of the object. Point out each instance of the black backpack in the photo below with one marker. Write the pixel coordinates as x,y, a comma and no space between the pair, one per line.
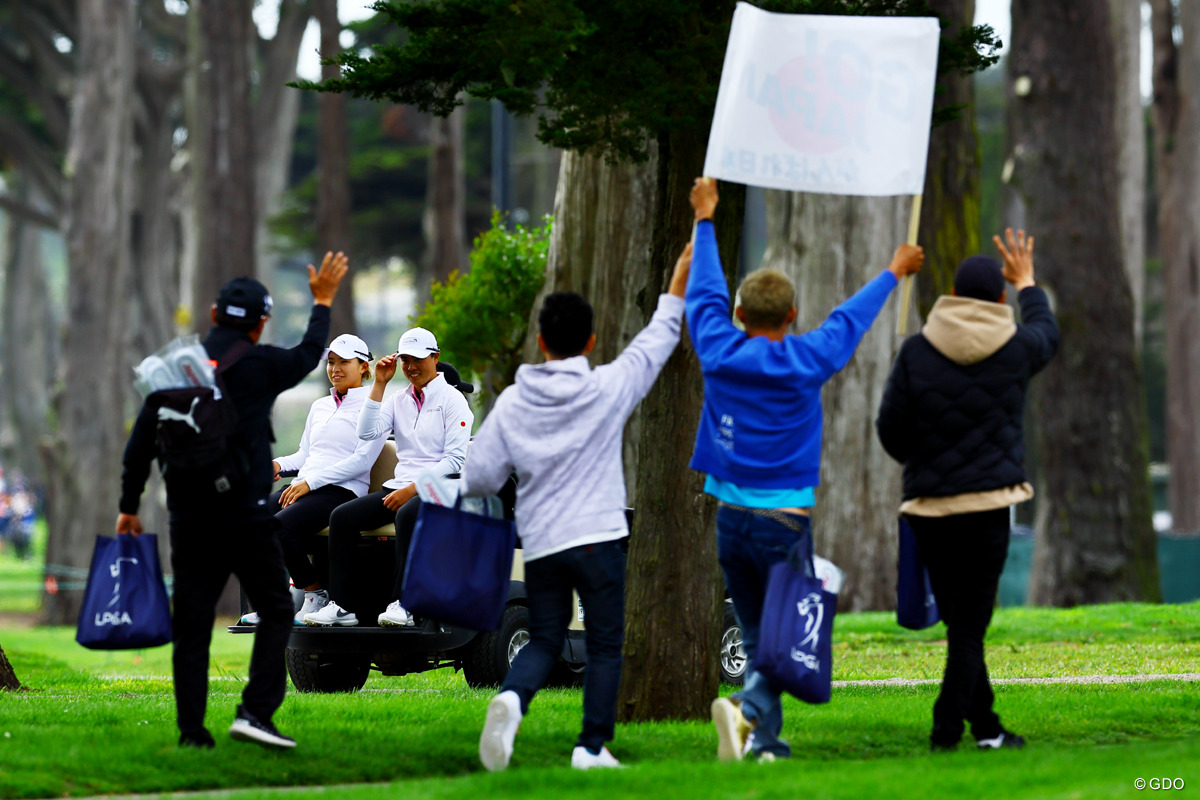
197,426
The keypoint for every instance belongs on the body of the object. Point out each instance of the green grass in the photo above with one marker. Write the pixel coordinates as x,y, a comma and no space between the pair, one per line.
21,581
100,722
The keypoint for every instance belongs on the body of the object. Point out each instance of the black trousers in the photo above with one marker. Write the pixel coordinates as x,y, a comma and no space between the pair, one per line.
205,549
346,525
965,555
299,525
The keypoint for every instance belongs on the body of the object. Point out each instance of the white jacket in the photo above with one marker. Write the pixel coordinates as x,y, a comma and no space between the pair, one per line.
560,427
434,438
330,450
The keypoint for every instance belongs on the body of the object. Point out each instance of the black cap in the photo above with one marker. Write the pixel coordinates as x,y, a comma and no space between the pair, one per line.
453,378
243,300
979,277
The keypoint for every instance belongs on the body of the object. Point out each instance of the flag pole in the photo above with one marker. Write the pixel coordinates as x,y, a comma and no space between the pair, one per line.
914,224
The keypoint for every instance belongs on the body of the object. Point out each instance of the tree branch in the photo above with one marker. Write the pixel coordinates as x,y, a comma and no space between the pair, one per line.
157,19
23,210
279,60
36,160
1166,69
39,35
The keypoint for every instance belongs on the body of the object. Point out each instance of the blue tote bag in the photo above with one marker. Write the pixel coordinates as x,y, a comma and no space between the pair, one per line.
916,607
458,567
125,605
795,648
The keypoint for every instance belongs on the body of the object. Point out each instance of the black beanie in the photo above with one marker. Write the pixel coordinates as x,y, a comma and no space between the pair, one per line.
979,277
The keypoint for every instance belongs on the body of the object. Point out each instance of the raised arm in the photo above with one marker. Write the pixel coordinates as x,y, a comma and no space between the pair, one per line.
1036,317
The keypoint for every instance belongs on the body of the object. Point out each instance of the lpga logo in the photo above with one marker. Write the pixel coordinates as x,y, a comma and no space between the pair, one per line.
812,610
115,617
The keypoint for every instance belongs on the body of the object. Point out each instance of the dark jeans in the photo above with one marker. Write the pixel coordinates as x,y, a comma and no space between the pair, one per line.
748,545
299,525
597,572
204,551
964,554
346,525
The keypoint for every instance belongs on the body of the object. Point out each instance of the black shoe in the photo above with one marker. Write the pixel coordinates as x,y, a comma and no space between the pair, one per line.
1005,738
201,741
248,728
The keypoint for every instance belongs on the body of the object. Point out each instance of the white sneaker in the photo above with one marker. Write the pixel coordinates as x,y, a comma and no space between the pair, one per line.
313,602
496,741
582,759
249,619
733,730
396,616
331,615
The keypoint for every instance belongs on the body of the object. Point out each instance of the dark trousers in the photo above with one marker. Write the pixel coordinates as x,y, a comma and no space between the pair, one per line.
964,554
597,572
299,525
748,545
205,550
346,525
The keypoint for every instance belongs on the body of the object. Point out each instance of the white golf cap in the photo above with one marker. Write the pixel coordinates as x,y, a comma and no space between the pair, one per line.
417,342
348,346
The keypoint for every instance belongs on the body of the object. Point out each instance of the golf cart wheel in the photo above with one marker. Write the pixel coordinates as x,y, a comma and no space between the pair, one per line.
733,654
493,652
327,673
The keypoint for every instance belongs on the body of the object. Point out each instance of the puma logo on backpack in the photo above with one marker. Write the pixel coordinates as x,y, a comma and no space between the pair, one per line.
170,414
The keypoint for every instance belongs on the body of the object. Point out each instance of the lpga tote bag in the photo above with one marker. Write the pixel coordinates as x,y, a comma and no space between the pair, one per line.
916,607
795,650
125,604
458,567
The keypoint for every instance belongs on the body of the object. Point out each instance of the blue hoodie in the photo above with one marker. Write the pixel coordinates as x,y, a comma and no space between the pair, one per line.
760,426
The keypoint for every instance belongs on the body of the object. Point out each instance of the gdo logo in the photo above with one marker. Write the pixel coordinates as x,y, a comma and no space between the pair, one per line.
1159,784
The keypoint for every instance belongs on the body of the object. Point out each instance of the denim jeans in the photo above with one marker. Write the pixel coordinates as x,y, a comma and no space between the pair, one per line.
965,555
597,572
748,545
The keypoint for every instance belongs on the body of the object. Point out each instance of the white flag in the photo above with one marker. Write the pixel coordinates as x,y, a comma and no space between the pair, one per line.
834,105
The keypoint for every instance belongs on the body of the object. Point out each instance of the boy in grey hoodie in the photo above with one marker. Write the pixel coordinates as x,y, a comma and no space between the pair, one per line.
559,427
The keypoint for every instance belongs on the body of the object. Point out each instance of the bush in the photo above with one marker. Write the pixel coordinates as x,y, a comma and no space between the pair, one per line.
480,318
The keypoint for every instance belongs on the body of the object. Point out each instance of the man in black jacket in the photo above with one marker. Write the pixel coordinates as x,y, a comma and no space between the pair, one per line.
951,414
225,526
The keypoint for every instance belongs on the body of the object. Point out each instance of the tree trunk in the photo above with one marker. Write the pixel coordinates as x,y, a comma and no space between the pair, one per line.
8,677
673,588
223,167
1094,538
832,246
333,168
1177,146
1131,153
276,109
445,221
82,495
29,340
950,209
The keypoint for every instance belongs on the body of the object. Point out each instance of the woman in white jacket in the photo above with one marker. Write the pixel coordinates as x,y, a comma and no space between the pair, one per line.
431,422
333,464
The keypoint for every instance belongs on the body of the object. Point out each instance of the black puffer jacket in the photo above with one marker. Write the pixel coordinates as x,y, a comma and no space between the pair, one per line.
952,409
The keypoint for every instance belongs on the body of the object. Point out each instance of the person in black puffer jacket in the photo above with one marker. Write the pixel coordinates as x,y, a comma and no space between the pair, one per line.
951,414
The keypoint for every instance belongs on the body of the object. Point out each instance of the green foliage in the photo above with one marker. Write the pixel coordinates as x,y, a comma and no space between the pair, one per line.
480,318
601,75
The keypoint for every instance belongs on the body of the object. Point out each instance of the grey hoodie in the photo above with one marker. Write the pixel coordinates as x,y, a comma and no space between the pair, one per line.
559,427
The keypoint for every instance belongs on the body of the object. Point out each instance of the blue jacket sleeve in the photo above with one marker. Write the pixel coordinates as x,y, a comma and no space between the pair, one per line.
830,347
707,300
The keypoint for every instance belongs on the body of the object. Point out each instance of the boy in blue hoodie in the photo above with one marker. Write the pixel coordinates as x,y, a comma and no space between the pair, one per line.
759,439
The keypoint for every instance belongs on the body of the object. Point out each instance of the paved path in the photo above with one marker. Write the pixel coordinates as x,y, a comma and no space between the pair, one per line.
1181,676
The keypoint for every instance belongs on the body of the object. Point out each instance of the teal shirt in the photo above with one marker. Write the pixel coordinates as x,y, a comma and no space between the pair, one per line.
749,497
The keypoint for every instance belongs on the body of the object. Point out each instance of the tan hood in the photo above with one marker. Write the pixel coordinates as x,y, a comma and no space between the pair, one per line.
966,330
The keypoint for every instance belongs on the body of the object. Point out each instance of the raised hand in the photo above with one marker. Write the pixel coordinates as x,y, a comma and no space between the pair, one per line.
323,283
1018,258
704,197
